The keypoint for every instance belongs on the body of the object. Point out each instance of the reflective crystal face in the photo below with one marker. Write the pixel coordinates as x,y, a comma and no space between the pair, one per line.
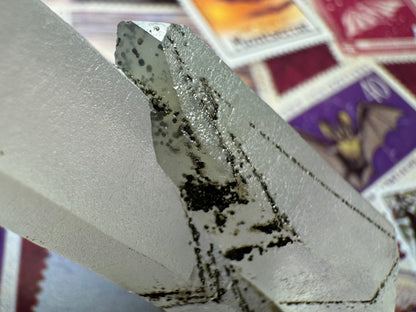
296,234
204,158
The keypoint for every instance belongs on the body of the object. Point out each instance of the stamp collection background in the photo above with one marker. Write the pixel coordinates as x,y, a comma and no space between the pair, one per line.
35,279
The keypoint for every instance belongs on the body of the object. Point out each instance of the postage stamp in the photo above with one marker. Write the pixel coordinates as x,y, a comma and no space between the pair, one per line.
398,203
371,26
278,75
247,31
359,119
404,72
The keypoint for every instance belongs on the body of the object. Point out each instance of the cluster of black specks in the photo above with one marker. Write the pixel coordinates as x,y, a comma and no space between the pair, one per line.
220,218
185,129
176,297
239,253
279,242
275,225
203,194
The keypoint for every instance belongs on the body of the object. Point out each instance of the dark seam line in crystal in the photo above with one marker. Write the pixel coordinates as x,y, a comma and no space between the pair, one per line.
161,294
214,118
213,277
370,301
174,302
324,185
241,300
259,177
180,297
178,294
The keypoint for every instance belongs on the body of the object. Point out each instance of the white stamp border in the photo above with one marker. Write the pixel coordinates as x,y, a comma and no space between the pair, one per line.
262,51
302,98
396,59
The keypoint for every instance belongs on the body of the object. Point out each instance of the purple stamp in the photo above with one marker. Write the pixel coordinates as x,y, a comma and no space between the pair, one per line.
362,127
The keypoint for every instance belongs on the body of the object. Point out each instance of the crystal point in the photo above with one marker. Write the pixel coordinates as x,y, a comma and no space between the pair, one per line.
289,228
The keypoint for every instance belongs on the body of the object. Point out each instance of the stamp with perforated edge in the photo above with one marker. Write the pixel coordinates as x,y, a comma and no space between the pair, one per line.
279,75
359,119
245,31
405,72
376,27
397,203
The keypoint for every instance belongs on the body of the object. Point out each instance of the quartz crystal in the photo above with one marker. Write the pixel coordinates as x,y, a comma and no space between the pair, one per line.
284,223
183,186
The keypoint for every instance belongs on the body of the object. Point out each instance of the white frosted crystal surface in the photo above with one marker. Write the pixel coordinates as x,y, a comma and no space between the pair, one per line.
291,227
78,172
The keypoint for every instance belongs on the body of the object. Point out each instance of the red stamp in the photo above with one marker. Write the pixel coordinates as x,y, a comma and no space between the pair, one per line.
371,26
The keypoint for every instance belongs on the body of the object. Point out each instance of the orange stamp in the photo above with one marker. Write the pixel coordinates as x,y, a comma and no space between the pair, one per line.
244,31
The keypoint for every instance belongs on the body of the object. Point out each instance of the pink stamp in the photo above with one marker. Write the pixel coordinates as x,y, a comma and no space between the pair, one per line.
371,26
